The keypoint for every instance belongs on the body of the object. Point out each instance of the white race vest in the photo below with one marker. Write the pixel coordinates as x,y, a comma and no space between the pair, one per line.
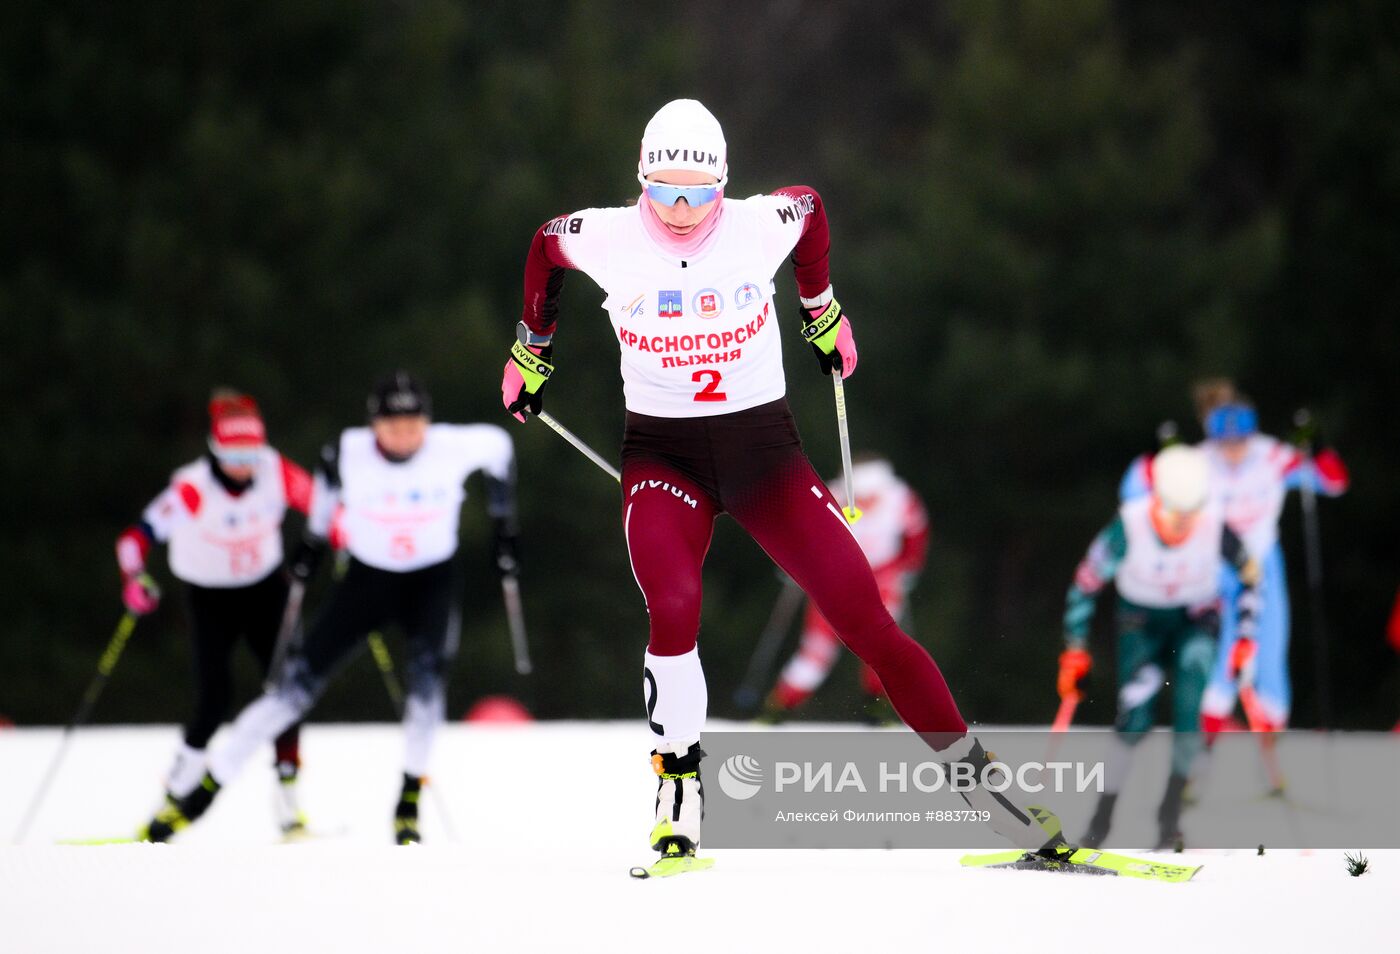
404,516
698,338
1155,575
217,539
1252,494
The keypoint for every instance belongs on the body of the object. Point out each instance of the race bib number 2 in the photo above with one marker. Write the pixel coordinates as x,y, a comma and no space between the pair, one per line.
710,392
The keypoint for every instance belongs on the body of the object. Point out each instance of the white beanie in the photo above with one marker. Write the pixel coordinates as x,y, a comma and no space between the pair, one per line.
1181,478
684,135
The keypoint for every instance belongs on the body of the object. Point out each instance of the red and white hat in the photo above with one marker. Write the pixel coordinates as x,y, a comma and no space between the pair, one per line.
235,425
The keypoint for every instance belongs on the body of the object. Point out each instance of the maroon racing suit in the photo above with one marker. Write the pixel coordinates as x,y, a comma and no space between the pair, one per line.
678,474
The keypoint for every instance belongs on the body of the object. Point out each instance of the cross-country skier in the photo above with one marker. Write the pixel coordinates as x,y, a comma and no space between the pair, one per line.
221,517
1164,551
1251,473
398,486
688,275
893,533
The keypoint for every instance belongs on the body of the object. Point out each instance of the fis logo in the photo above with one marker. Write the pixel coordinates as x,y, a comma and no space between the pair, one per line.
668,304
740,777
633,308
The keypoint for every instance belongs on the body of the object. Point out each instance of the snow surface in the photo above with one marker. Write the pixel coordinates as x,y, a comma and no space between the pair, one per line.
548,819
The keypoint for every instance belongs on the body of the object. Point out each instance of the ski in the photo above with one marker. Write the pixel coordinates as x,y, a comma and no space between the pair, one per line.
299,837
302,834
306,835
1084,861
667,867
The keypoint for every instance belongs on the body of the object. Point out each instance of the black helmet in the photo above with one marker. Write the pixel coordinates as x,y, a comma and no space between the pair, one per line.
397,394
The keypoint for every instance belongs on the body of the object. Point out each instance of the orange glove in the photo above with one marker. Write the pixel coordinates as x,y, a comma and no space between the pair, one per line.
1074,665
1242,661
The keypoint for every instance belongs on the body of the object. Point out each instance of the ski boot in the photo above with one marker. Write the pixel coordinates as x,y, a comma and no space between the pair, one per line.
290,818
1034,828
680,807
178,813
406,812
1099,824
1169,836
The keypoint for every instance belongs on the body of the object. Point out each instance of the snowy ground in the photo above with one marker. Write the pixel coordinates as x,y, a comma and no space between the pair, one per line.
548,819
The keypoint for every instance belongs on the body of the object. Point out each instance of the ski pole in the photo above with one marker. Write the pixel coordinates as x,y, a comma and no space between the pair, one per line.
286,634
851,511
582,448
515,617
1268,742
385,664
1063,717
748,694
1302,419
105,665
1256,716
1065,714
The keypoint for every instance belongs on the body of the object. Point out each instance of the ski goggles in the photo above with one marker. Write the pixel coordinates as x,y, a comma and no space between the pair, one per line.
245,456
668,194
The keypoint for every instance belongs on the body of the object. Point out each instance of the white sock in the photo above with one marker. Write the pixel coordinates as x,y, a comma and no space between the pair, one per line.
421,717
262,721
187,772
673,689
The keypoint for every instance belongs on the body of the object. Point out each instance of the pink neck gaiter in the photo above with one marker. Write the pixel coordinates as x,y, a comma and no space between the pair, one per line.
695,244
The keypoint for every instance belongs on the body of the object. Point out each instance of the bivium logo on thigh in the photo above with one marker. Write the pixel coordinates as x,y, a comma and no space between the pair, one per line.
664,487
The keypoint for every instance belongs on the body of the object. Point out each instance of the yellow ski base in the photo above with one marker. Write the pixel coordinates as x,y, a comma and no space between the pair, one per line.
1085,861
100,841
667,867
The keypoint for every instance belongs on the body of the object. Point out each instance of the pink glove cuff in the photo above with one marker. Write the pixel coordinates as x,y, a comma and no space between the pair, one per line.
846,347
137,598
511,386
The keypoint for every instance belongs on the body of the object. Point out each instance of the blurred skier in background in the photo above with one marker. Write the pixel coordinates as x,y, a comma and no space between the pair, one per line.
893,533
1251,474
395,488
221,517
1164,553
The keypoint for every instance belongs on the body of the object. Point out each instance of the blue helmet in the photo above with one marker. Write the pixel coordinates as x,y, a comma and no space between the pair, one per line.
1231,422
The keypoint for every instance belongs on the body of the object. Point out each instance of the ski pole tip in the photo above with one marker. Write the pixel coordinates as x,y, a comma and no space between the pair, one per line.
852,514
